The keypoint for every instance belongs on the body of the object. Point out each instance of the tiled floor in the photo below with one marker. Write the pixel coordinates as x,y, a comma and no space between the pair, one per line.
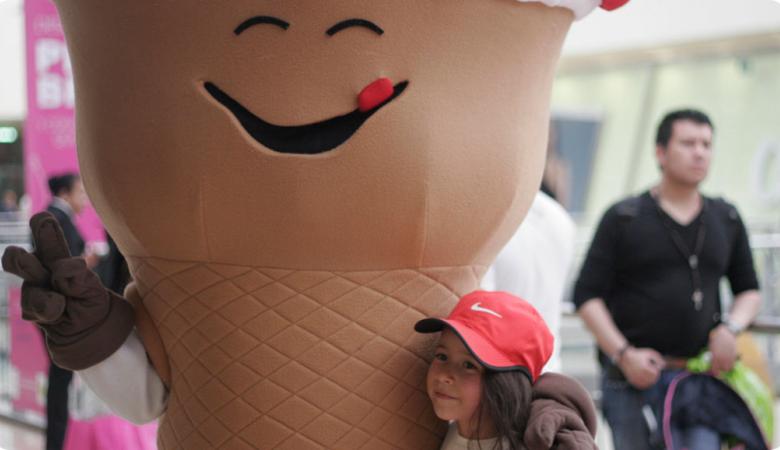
14,436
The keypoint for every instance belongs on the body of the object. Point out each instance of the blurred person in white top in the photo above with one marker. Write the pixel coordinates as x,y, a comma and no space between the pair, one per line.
536,262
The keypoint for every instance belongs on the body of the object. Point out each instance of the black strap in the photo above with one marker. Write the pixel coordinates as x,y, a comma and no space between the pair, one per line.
691,257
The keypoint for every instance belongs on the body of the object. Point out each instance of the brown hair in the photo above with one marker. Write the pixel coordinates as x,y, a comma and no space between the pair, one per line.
506,399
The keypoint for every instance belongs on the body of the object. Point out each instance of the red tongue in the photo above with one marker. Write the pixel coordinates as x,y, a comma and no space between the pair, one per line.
375,94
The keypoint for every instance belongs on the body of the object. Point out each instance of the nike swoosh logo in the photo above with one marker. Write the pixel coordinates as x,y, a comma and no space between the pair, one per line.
477,308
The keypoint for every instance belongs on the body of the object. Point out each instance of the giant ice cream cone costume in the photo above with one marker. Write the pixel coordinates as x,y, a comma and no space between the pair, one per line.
296,183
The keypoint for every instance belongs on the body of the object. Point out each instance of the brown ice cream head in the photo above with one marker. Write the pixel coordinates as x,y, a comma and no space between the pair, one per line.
345,135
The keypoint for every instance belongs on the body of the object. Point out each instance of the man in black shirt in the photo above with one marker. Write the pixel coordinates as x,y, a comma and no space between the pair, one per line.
649,287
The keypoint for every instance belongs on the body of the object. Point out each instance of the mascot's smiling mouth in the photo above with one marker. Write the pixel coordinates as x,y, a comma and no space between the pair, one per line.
310,139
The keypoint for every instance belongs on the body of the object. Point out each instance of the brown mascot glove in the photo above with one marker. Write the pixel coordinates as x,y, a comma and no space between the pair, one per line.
84,322
562,415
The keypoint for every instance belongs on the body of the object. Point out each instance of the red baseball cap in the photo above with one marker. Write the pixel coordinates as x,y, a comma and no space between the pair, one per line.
502,331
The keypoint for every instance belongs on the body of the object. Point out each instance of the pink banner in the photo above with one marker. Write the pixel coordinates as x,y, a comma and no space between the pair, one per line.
49,132
28,359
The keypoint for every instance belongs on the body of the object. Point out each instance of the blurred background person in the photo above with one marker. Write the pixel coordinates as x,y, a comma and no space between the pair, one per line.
9,206
68,200
9,202
535,264
649,288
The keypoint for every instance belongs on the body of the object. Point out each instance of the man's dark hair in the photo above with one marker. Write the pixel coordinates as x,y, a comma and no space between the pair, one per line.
63,184
667,123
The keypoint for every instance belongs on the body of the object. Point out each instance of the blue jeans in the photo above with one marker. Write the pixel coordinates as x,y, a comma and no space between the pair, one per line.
699,438
635,424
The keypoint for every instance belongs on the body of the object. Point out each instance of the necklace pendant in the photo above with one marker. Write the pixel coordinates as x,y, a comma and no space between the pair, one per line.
693,261
697,298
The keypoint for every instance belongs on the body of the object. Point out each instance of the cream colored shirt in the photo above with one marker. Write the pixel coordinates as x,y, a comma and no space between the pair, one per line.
454,441
128,384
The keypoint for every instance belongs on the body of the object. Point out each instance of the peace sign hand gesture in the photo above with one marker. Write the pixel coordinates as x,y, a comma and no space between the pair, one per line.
84,322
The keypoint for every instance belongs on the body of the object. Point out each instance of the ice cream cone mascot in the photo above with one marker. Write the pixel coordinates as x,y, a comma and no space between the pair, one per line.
294,184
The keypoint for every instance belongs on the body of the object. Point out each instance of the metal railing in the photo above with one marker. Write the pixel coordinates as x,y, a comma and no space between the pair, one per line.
13,231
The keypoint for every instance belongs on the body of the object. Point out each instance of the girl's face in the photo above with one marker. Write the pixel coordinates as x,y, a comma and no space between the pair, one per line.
455,386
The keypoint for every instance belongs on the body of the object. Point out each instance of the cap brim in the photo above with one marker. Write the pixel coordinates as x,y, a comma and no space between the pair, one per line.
479,347
430,325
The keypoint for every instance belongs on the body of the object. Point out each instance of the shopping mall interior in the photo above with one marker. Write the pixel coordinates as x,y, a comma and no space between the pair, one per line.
620,71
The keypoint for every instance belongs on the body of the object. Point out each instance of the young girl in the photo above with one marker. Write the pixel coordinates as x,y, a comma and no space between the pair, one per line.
490,353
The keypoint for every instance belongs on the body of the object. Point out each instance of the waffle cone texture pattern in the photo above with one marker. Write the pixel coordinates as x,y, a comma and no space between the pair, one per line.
264,358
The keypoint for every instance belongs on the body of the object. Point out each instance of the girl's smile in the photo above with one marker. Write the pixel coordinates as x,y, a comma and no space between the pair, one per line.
455,383
442,396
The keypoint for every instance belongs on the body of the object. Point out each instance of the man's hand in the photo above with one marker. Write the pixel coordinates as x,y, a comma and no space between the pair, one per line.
84,322
723,346
641,366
